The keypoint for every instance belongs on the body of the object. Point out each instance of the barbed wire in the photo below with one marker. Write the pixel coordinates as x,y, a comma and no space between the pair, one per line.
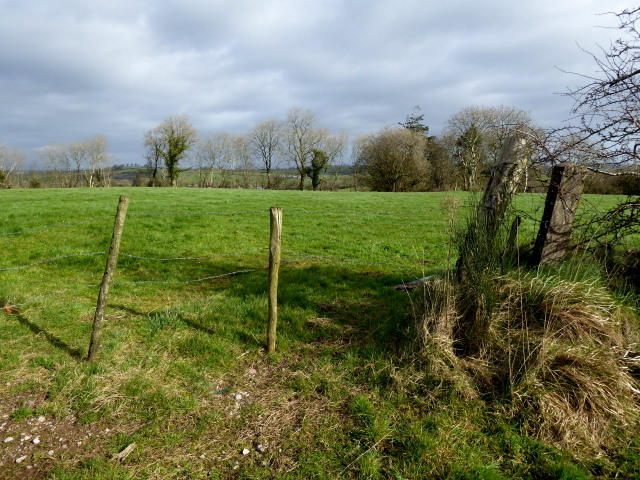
195,258
50,260
57,225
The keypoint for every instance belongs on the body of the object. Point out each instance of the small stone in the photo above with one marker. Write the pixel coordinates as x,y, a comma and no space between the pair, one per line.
41,418
252,371
50,453
21,459
246,451
261,448
203,456
238,396
25,438
36,441
107,430
8,439
236,466
29,467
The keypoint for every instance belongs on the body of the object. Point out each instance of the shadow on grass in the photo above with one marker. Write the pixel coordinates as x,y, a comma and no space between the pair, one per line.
316,302
52,339
346,304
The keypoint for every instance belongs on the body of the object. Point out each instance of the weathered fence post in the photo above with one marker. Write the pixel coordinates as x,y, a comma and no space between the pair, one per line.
274,267
563,197
112,260
506,176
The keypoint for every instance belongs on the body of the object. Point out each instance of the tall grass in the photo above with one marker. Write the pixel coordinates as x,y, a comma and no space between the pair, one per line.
554,347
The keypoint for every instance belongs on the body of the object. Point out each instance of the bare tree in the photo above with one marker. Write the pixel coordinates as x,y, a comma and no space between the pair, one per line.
302,136
266,141
95,160
55,159
215,154
171,141
334,147
11,161
153,144
475,136
243,158
494,124
80,162
605,130
470,155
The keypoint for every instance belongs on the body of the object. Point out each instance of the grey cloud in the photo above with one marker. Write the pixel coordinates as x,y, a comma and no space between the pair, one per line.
73,69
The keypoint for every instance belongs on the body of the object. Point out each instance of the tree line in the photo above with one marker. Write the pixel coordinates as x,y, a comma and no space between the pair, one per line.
603,135
401,158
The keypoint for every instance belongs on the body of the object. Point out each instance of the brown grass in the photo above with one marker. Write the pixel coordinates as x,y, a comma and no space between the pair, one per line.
558,351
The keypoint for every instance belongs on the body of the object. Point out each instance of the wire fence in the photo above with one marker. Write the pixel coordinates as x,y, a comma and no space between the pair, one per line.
292,257
405,263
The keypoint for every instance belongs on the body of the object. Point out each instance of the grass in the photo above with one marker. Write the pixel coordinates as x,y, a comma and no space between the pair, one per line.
182,372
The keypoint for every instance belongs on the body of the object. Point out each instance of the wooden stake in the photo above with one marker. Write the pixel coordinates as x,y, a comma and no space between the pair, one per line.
561,205
274,268
110,268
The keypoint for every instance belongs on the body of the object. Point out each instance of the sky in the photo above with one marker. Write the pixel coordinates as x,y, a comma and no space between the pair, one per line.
72,69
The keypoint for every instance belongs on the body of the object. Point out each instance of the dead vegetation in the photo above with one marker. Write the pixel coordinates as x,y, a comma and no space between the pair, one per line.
560,352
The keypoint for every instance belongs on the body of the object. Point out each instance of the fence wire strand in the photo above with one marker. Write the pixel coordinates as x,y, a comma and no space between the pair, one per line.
185,282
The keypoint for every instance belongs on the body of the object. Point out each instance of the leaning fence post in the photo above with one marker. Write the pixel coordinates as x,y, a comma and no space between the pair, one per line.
274,268
502,186
561,205
112,260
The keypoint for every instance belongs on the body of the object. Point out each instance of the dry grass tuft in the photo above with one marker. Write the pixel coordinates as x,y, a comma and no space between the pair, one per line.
557,308
557,349
578,397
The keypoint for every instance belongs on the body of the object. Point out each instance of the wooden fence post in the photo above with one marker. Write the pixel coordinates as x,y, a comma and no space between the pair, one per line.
505,179
563,197
112,260
274,268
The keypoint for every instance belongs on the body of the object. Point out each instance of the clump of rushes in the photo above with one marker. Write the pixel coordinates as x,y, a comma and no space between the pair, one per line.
552,349
556,353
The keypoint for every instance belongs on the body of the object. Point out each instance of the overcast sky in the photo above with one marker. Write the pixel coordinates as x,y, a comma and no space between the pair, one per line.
71,69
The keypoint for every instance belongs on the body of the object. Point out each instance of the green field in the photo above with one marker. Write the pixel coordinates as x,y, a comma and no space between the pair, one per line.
182,373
